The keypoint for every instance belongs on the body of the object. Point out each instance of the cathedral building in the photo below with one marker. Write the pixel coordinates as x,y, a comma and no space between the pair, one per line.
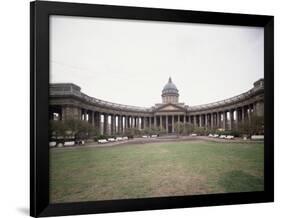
67,101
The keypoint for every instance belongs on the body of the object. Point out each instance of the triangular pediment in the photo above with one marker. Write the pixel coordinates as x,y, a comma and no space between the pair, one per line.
170,107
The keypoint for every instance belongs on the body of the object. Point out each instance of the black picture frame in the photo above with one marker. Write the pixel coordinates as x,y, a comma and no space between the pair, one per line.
39,94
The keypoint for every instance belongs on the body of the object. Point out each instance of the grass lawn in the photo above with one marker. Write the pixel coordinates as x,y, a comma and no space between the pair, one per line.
153,170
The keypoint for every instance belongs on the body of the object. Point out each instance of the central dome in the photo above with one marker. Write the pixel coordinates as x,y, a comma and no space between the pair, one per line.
170,93
170,88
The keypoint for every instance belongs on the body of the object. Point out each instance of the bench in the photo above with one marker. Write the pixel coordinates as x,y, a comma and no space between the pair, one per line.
119,139
102,141
230,137
222,136
257,137
52,144
193,135
69,143
154,136
125,138
111,139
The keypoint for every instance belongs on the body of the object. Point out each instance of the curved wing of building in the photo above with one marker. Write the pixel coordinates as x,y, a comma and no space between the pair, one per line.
68,102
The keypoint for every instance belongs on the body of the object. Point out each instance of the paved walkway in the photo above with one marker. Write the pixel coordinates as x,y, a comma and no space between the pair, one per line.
162,139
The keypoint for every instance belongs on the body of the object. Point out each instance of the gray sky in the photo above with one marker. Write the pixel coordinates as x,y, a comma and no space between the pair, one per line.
129,62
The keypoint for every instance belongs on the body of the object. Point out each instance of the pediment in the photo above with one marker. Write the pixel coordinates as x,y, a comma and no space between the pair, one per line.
170,107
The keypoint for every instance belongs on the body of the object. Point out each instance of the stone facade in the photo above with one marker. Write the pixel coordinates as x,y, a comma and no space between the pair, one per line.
68,102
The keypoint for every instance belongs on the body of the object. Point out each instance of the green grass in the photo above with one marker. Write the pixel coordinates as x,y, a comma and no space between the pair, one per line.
153,170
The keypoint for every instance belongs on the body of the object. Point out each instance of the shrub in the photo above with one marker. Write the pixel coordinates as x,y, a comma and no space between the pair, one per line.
188,128
76,129
200,131
255,126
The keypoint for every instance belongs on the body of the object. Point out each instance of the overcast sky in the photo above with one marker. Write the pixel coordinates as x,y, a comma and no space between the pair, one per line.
129,62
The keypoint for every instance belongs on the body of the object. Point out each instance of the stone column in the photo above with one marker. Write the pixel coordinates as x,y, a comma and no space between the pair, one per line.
82,116
224,119
259,109
115,126
167,129
184,123
122,124
218,119
230,119
126,123
137,123
212,120
129,125
149,120
237,118
154,123
200,120
250,113
206,120
105,123
242,114
173,124
91,118
134,122
161,125
112,124
118,124
97,121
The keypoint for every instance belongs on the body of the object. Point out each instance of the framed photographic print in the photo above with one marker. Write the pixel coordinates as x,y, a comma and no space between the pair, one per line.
144,108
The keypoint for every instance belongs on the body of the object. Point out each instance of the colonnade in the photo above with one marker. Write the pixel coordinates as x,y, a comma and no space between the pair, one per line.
105,123
226,119
115,123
